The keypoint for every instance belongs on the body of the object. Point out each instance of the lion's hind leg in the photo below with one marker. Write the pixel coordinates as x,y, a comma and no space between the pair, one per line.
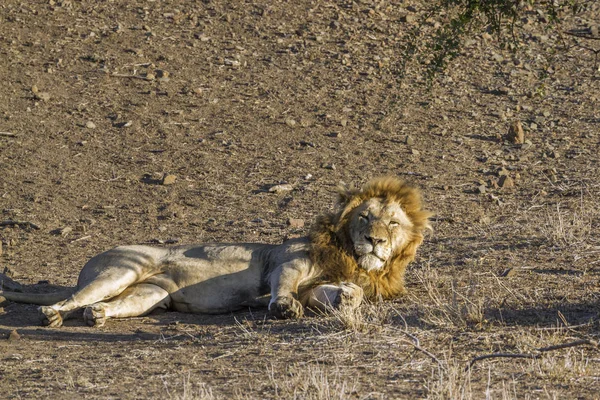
137,300
103,286
327,297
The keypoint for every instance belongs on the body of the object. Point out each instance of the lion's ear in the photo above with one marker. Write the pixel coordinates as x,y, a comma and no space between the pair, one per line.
345,193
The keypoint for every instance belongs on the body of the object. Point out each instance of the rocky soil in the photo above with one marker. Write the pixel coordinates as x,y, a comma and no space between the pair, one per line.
185,122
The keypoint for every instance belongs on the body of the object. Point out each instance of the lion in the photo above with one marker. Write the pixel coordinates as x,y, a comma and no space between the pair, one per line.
360,251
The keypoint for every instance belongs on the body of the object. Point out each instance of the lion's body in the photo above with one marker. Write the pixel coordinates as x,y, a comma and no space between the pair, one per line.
363,248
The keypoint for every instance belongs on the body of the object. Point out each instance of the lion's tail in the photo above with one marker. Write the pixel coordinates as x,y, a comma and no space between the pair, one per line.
42,299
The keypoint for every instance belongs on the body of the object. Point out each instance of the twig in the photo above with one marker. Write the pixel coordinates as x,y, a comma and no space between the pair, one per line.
20,224
422,350
583,35
533,355
81,238
8,134
131,76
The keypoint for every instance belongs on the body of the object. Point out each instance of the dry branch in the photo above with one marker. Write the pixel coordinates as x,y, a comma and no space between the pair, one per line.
143,78
8,134
535,355
20,224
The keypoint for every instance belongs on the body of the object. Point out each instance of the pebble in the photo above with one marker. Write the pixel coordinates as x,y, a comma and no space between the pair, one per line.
290,122
503,172
14,336
527,145
506,182
409,140
515,133
168,179
162,75
43,96
90,125
533,126
295,223
62,231
481,189
124,124
415,152
497,57
508,273
281,188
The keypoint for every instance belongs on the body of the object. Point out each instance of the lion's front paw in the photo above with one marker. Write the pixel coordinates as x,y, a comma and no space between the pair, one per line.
94,315
349,296
286,308
50,317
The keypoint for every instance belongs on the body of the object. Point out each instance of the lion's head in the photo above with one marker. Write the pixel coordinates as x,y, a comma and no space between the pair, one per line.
373,237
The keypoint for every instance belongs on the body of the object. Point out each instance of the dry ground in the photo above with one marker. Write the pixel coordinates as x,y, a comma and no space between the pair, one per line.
103,98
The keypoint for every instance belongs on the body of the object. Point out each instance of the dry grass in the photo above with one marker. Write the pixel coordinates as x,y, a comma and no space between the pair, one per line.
565,227
312,381
187,390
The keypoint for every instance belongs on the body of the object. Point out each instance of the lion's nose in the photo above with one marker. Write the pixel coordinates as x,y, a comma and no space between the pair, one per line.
375,240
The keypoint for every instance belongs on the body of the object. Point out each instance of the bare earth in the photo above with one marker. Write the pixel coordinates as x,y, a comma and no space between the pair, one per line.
99,101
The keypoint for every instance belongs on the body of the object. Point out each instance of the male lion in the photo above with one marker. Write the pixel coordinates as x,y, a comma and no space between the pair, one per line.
362,250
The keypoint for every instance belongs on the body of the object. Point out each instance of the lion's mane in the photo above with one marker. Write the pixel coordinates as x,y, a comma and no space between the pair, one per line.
332,249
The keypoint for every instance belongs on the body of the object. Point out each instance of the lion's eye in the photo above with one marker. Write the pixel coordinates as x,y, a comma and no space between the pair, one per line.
393,224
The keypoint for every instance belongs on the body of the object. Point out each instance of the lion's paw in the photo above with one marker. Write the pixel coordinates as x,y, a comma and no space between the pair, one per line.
95,315
50,317
349,296
286,308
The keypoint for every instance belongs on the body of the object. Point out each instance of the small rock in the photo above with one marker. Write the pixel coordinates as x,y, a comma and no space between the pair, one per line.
150,76
527,145
507,273
34,89
335,135
13,336
506,182
344,122
281,188
162,74
515,133
62,231
90,125
415,152
168,179
481,189
290,122
124,124
497,57
43,96
295,223
503,172
409,140
533,126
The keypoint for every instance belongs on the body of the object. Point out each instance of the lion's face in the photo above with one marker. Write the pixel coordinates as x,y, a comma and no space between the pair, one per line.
378,230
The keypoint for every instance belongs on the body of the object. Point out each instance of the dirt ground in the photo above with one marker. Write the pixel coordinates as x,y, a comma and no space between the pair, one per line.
101,100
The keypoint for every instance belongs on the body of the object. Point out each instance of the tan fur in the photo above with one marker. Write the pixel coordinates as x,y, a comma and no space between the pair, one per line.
331,248
362,249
